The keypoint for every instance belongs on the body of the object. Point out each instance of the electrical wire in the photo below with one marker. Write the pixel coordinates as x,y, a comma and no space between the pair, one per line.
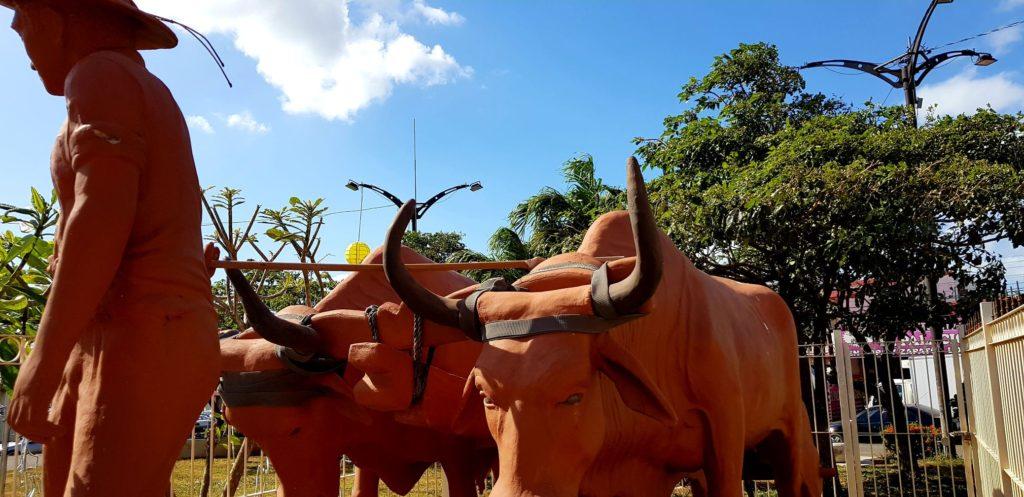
350,211
887,95
979,35
841,72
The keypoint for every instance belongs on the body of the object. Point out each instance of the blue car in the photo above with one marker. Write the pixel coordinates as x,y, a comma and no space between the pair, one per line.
871,422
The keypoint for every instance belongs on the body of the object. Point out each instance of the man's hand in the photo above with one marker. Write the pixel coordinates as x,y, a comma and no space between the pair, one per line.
211,254
29,410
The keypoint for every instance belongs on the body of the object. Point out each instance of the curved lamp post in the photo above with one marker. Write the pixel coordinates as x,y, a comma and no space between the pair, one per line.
421,207
904,71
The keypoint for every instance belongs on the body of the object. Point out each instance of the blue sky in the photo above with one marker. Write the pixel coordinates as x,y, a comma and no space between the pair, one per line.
503,92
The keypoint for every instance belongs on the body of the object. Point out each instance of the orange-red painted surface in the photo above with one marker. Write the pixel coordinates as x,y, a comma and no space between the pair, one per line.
382,434
128,338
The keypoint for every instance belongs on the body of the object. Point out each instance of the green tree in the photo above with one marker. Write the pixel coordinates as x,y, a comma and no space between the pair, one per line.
24,275
815,199
298,225
438,246
852,215
553,221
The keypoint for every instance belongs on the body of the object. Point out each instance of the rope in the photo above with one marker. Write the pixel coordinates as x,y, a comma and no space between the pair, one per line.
371,319
420,369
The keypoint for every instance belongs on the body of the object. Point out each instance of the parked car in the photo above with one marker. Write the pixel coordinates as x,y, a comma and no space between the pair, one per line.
25,446
871,422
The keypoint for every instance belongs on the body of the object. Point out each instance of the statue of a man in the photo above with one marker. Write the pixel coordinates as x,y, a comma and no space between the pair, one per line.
126,355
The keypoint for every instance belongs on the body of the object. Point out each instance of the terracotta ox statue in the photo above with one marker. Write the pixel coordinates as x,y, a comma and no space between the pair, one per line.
642,369
305,422
625,412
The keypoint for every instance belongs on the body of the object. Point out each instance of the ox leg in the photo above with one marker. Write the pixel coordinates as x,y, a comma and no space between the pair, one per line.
460,477
796,461
303,468
724,456
367,483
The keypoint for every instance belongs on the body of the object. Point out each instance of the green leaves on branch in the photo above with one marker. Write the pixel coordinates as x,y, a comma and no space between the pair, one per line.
850,214
24,257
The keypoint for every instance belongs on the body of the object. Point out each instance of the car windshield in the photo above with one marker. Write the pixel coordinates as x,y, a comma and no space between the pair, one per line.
871,414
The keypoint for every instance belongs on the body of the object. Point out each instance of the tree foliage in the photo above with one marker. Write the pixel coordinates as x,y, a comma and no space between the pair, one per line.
554,221
834,207
24,260
438,246
24,273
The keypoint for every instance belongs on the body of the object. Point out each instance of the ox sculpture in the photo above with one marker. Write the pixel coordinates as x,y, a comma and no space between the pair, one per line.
603,381
619,378
305,420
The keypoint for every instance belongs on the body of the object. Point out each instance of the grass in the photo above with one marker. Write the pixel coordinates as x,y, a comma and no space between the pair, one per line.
935,477
938,476
188,477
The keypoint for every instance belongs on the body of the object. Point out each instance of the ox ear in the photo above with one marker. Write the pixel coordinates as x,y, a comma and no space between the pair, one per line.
636,388
469,418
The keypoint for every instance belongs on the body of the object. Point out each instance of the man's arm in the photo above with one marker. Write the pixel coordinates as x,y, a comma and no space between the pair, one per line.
93,241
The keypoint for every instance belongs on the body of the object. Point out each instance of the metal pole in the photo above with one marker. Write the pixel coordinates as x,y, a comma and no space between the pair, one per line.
909,94
415,184
848,412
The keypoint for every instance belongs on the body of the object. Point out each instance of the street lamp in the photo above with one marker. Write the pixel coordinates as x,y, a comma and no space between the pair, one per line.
904,70
984,60
421,208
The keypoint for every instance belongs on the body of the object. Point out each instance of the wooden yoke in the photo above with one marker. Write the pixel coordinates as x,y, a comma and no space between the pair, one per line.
447,266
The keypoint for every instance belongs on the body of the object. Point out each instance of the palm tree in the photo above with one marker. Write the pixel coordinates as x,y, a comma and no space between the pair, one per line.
557,221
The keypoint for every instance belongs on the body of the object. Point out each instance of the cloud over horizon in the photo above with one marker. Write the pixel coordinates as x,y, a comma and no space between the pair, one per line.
323,57
966,92
245,122
200,123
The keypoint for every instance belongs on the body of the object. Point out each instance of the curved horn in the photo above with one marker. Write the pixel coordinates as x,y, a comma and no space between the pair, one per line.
441,310
632,292
302,339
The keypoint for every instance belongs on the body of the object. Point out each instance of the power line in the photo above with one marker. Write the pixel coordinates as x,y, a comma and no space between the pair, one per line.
358,210
979,35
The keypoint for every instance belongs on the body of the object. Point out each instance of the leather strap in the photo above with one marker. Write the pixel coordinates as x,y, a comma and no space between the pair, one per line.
605,316
309,364
565,265
600,294
468,320
567,323
267,388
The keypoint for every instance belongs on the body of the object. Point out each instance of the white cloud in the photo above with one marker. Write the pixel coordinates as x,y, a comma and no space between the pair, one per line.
1002,39
324,58
434,15
200,123
1010,4
245,122
967,91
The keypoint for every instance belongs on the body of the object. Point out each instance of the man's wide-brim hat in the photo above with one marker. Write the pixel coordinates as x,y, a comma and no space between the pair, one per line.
151,32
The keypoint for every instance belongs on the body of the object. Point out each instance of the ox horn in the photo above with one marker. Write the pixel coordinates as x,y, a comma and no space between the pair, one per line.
302,339
441,310
628,295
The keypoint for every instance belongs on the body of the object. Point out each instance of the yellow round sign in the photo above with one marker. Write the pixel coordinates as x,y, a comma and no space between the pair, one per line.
356,252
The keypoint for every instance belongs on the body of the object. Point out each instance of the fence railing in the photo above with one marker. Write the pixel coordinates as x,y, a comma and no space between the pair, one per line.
994,378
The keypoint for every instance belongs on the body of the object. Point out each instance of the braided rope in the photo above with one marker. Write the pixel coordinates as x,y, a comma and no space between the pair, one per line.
419,369
371,319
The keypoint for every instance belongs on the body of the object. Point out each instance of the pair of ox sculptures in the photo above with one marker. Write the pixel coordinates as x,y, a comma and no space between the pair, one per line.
580,379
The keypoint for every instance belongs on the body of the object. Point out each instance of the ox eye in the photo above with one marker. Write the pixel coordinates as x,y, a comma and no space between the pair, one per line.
573,399
487,400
